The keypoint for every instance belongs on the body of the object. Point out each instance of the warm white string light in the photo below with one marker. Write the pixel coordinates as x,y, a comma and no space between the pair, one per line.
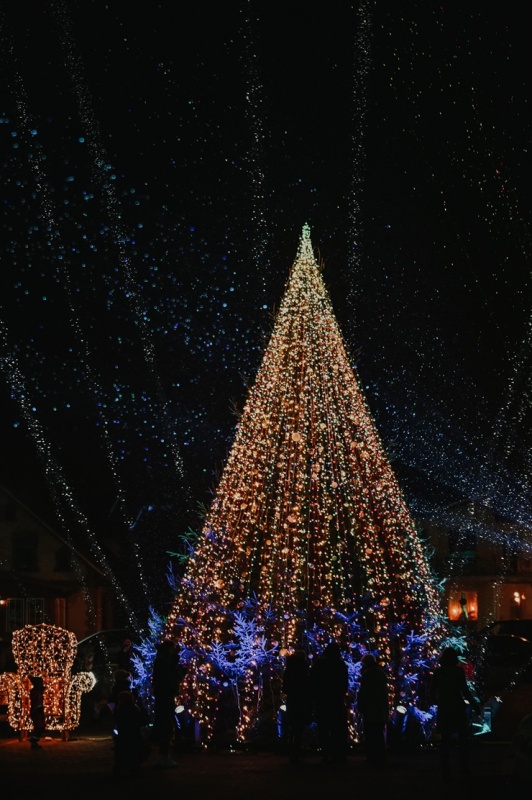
308,515
48,652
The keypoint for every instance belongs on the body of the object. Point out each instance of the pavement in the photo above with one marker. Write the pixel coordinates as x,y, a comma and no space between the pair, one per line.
82,767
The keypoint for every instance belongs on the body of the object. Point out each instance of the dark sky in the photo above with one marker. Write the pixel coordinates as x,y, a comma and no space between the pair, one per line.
158,164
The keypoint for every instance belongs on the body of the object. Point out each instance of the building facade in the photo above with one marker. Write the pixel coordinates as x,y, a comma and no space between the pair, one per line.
45,579
485,562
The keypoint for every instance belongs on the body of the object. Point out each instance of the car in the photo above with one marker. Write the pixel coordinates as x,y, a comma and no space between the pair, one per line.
511,649
511,627
507,653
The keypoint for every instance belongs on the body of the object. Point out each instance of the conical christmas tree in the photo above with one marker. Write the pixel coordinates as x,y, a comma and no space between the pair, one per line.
308,537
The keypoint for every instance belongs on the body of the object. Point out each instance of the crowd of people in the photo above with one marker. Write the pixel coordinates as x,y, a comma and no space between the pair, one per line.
131,719
319,694
316,694
134,728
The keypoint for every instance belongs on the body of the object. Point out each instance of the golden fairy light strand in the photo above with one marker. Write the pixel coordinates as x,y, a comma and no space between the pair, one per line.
45,651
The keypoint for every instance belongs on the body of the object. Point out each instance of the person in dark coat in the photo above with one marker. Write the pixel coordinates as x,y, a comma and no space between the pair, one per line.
451,693
296,687
166,679
329,680
125,656
373,705
122,683
131,747
37,710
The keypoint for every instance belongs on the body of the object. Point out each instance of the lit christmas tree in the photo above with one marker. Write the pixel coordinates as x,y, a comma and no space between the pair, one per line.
308,537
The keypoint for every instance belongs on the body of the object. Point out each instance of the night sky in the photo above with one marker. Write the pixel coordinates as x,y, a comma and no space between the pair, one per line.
158,164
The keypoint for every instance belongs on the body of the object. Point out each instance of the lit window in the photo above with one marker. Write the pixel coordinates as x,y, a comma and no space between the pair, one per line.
463,606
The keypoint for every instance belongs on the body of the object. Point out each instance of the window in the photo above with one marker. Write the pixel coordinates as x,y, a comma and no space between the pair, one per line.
463,606
22,611
34,610
516,604
10,511
15,614
63,559
60,612
25,551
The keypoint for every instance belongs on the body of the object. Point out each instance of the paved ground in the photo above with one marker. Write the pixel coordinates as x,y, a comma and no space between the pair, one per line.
82,768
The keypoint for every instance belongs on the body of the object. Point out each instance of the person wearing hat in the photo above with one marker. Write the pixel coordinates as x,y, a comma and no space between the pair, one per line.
373,706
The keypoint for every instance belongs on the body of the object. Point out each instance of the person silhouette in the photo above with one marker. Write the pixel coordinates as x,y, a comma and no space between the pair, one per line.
373,705
122,683
37,710
329,680
125,656
296,687
131,748
451,693
166,678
